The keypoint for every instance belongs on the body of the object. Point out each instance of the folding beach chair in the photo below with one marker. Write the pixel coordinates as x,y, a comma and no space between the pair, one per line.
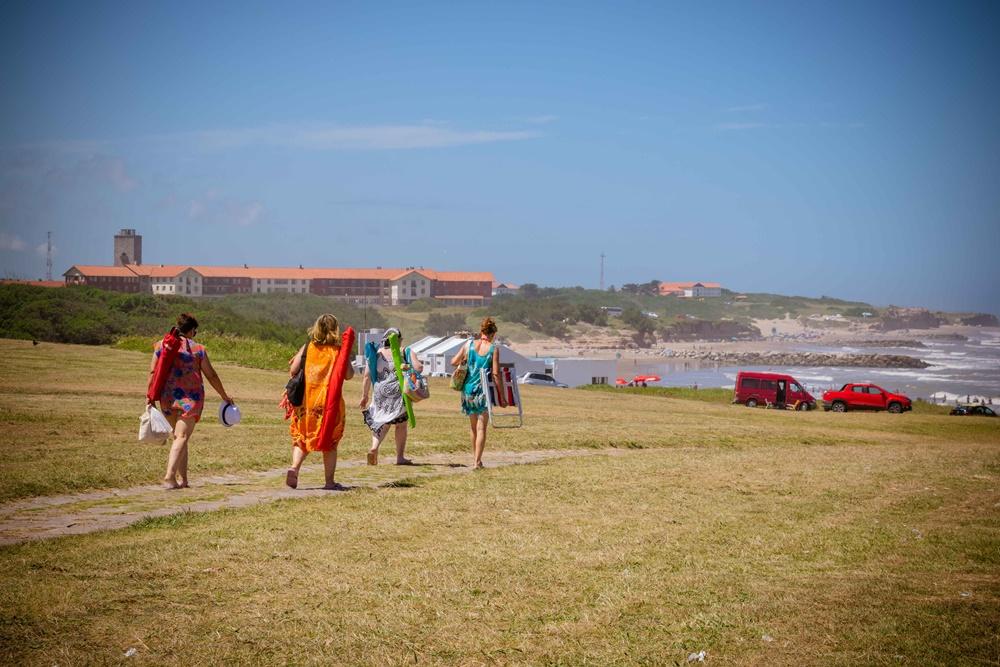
513,415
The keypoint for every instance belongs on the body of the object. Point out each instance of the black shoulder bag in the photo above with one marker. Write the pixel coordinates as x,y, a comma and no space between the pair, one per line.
295,389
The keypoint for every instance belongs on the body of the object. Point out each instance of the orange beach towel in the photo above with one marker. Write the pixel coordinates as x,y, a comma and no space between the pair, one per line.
307,419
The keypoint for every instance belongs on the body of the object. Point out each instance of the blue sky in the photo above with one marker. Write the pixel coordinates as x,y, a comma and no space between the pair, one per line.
850,149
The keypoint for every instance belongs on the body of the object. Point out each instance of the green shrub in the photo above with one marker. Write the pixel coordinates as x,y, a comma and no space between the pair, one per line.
96,317
444,324
424,305
250,352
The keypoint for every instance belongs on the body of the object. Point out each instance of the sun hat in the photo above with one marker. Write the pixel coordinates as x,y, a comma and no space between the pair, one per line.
229,414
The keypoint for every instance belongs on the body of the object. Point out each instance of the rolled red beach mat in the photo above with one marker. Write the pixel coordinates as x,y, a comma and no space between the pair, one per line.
335,389
168,353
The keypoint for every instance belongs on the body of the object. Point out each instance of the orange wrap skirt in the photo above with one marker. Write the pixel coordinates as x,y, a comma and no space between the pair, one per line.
307,419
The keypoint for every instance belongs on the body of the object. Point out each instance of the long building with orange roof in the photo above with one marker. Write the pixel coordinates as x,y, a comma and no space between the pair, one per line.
378,286
690,290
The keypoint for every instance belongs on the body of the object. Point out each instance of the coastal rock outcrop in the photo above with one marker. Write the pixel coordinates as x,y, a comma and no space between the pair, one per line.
894,318
981,320
805,359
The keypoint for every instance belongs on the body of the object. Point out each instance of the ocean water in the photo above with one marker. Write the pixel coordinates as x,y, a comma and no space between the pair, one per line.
958,370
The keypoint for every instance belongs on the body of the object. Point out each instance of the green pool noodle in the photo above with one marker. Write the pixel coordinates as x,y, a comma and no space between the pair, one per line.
397,362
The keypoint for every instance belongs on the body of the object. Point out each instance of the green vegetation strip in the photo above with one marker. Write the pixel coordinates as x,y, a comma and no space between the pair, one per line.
251,330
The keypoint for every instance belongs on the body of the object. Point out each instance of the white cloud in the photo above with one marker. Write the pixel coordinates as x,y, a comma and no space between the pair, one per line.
114,171
339,137
430,133
11,242
740,126
747,108
728,127
247,214
541,120
214,208
68,171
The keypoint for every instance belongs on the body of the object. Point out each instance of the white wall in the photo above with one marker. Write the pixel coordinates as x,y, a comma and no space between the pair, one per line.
410,287
577,372
439,357
703,291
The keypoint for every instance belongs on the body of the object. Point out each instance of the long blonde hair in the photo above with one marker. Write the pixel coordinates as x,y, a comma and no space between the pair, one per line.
326,330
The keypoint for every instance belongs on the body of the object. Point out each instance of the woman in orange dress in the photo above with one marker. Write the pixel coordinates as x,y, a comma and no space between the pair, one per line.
307,419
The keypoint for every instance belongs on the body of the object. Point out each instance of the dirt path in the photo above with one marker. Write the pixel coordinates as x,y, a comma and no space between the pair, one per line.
54,516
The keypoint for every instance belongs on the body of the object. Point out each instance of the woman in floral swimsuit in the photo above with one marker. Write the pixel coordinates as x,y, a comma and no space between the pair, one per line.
183,396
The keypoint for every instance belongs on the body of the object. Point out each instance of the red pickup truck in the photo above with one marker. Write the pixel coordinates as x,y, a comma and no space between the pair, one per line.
865,397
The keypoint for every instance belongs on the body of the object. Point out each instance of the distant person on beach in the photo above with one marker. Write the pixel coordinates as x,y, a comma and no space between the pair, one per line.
307,419
479,354
183,396
387,407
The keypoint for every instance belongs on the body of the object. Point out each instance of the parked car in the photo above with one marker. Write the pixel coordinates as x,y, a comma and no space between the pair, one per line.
973,410
771,389
864,396
540,379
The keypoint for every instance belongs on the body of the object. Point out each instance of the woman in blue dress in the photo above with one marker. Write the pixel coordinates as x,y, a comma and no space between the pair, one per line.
479,354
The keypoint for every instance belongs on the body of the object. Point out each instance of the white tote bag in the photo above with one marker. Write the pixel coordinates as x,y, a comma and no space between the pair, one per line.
153,426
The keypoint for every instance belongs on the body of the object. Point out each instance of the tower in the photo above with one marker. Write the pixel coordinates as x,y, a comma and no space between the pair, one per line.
48,259
128,247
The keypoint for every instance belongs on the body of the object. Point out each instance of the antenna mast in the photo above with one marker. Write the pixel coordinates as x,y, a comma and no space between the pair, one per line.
602,271
48,259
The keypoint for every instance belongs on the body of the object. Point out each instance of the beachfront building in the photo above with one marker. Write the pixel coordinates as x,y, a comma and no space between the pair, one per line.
112,278
163,279
500,289
381,287
691,290
578,372
436,354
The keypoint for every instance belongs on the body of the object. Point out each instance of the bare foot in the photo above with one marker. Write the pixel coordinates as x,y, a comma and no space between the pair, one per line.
334,486
479,466
185,485
292,478
404,462
170,484
373,457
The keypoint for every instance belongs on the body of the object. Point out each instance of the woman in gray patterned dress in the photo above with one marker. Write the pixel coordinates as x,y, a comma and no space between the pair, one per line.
387,407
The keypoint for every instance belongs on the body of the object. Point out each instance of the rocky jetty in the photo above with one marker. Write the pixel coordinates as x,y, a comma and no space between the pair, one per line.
889,342
804,359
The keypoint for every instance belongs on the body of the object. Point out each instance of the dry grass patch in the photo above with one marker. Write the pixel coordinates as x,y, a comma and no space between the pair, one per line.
69,415
636,557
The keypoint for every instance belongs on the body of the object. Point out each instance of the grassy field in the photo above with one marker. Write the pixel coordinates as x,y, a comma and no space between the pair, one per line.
756,536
